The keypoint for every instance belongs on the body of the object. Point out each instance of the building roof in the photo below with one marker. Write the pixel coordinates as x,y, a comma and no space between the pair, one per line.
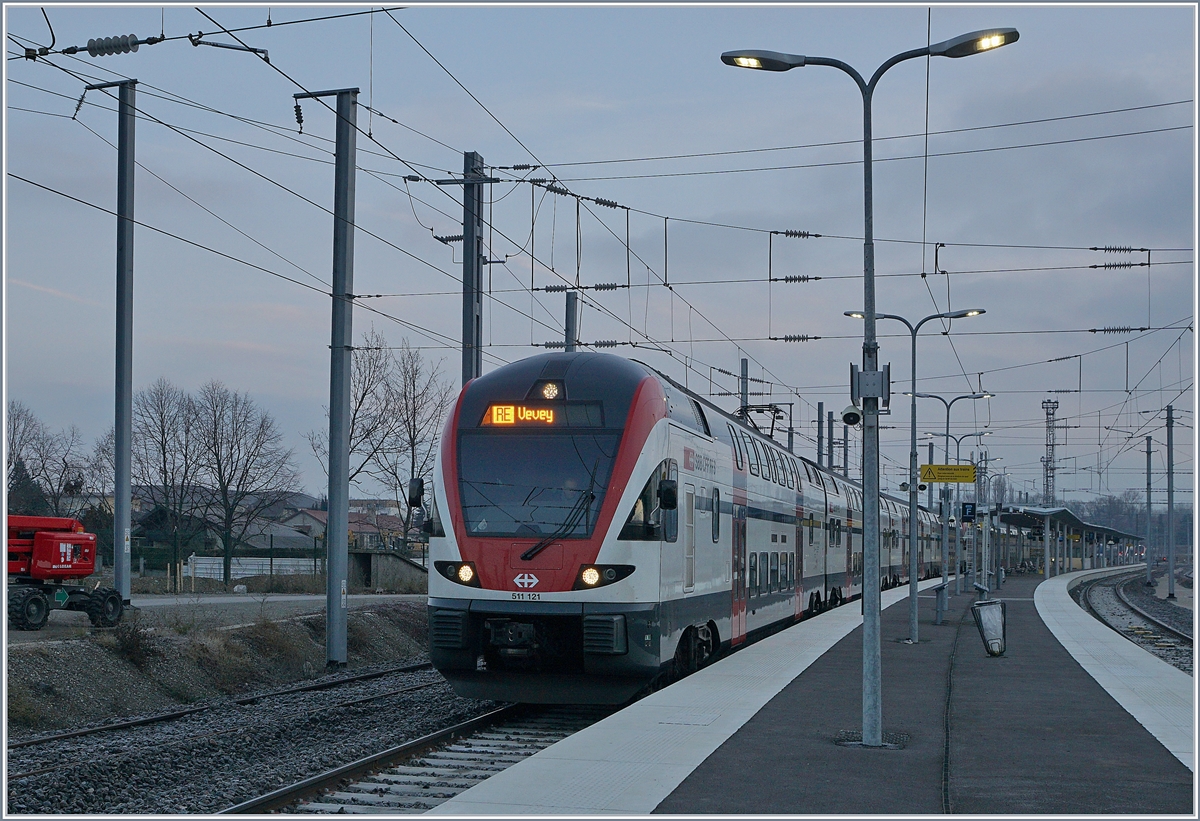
1032,516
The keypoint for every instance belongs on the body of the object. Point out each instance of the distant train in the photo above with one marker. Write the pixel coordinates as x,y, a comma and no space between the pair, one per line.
597,529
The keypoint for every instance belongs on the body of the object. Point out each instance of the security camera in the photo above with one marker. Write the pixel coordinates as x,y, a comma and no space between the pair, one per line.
851,416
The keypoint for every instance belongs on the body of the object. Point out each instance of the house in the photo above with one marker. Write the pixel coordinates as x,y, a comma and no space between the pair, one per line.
375,507
367,531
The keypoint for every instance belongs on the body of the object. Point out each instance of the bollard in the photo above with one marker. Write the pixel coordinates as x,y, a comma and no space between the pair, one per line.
991,621
982,590
942,603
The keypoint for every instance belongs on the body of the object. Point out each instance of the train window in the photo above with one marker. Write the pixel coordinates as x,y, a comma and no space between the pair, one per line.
716,515
753,574
646,519
790,471
777,466
737,448
764,574
774,537
759,462
783,538
751,453
774,572
698,412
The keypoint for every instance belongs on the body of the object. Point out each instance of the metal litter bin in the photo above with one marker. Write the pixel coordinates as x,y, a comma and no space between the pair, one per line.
990,619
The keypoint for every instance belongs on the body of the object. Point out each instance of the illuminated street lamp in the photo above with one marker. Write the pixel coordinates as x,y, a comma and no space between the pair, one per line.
961,46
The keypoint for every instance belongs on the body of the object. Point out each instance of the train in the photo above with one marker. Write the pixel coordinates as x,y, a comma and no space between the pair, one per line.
597,529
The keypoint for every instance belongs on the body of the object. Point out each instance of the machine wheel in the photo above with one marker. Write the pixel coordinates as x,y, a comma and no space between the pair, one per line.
104,607
28,609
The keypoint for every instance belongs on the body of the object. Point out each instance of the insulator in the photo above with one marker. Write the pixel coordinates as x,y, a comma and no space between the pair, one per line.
606,286
79,104
1113,249
299,116
1115,329
606,343
411,178
799,278
554,344
554,189
799,338
446,240
1114,265
104,46
555,289
800,234
605,203
525,167
538,180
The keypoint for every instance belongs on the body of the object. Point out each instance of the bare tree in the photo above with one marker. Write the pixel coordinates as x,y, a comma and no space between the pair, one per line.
372,423
418,397
167,459
57,461
245,466
22,428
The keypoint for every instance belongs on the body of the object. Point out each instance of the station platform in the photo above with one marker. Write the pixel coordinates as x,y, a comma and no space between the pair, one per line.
1073,719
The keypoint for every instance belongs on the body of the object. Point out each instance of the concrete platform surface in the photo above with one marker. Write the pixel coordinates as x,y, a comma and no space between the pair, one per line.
1158,695
757,733
632,760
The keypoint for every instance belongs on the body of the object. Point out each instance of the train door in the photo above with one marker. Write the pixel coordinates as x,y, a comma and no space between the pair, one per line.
738,541
689,538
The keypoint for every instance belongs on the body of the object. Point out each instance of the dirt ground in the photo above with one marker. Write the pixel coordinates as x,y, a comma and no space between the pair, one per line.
150,665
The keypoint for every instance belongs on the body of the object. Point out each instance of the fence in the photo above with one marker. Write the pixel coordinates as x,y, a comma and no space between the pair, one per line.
213,567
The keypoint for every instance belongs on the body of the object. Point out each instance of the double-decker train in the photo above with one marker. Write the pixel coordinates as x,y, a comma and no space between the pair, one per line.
597,528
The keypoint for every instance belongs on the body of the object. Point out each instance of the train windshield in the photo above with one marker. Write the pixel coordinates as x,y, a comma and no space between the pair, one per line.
531,485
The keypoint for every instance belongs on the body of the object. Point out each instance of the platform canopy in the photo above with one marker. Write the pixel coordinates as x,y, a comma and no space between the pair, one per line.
1030,517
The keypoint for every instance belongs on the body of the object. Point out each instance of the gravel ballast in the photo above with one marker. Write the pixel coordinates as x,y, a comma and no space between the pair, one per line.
213,759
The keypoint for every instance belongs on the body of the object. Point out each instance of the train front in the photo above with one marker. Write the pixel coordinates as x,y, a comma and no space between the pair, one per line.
532,597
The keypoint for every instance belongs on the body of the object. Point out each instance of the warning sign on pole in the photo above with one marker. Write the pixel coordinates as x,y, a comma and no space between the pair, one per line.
955,474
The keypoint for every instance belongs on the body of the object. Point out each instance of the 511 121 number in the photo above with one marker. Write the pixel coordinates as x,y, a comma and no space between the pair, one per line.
526,596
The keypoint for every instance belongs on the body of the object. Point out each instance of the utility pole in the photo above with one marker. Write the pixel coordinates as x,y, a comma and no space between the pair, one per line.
472,337
846,451
123,417
829,440
572,314
745,388
340,352
820,434
1170,502
1149,521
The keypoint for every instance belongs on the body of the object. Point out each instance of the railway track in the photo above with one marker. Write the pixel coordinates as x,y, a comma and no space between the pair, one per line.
420,774
1106,600
324,684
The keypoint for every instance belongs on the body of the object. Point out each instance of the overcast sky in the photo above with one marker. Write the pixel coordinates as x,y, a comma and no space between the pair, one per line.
1081,134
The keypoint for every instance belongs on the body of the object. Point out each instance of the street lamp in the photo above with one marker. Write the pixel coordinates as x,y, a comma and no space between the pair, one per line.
961,46
913,476
958,496
946,490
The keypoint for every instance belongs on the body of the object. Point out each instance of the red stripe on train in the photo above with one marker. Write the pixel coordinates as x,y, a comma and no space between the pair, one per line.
555,568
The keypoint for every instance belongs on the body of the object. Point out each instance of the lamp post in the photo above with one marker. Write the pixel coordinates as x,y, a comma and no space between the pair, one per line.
913,477
961,46
946,490
958,497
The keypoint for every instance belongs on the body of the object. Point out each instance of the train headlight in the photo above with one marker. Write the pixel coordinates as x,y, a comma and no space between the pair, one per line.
459,572
592,576
550,391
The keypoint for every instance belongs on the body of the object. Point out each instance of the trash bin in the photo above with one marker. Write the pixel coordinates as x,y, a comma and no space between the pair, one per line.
990,619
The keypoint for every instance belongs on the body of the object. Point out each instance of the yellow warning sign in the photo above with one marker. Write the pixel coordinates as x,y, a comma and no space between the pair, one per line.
963,474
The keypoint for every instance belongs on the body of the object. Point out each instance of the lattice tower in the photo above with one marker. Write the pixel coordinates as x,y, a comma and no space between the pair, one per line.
1048,466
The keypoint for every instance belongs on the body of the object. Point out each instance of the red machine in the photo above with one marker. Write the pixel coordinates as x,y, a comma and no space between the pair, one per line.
47,557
